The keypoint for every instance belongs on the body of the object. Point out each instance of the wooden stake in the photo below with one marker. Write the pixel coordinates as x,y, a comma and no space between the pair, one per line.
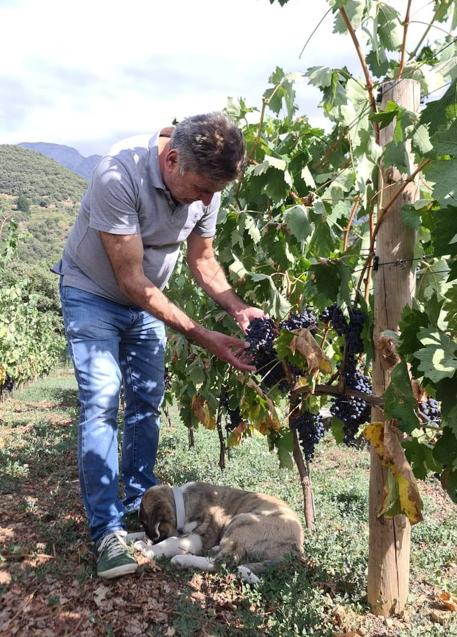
394,287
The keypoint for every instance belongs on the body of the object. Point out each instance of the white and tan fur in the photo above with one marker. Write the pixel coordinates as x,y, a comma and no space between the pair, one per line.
217,524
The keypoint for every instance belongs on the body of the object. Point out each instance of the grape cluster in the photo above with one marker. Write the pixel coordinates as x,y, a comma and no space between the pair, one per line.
8,384
332,314
352,337
310,429
430,408
352,411
234,417
306,319
261,335
351,330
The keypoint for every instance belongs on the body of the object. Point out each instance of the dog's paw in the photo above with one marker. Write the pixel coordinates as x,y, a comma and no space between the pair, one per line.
181,561
145,547
247,575
193,561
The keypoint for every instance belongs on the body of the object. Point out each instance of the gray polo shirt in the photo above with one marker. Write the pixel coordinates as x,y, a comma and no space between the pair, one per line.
127,196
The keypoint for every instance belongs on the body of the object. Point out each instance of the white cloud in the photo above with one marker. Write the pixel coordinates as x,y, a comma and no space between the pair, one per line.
86,73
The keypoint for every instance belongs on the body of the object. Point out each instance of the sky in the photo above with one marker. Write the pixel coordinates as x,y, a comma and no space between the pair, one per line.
88,73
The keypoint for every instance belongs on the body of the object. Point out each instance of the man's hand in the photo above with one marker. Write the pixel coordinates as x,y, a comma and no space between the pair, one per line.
230,349
246,314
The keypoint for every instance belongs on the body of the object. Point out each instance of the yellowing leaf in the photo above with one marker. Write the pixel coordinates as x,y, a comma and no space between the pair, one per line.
304,342
301,382
401,491
374,433
234,437
202,413
410,501
267,418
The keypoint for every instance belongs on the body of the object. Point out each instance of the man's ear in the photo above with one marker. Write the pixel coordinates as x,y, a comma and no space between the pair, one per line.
171,159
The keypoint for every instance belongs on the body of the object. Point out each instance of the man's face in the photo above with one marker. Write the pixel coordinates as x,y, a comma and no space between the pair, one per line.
189,186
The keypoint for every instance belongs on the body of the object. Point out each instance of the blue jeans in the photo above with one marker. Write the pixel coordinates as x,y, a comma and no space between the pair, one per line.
111,344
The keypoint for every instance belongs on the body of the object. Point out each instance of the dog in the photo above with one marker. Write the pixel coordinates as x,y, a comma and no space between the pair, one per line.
200,525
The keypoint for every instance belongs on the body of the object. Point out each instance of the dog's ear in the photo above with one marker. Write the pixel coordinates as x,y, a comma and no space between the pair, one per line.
146,515
157,513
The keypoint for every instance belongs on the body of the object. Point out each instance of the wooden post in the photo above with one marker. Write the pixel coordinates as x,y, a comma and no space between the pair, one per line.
394,287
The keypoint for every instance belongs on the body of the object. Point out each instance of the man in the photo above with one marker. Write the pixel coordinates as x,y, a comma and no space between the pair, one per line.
146,197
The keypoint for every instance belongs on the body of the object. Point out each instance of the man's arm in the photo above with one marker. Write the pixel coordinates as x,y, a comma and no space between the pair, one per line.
125,253
210,276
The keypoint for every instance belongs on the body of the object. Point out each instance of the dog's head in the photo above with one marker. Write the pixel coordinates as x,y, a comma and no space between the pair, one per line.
158,513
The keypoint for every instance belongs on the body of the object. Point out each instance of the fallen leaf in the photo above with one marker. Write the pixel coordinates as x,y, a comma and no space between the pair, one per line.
100,594
5,578
448,601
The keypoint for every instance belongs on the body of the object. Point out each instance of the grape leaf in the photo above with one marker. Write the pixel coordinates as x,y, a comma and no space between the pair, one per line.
304,342
444,231
421,141
399,401
285,445
446,391
385,117
437,358
354,10
389,27
331,279
441,112
320,76
420,456
442,173
201,410
445,451
298,223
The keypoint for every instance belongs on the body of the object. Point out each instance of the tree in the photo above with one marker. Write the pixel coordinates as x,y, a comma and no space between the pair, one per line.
23,204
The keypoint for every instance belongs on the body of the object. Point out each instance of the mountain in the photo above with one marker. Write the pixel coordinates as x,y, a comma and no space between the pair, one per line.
51,193
66,156
42,180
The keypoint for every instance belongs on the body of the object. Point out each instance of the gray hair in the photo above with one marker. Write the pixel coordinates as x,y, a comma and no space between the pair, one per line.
209,145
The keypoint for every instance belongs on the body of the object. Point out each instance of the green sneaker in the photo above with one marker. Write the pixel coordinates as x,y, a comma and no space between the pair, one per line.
114,557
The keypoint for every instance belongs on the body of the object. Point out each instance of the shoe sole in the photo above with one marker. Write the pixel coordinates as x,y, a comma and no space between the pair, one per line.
118,571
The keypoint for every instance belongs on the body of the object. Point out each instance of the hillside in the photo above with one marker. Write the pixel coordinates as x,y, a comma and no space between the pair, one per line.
52,193
42,180
66,156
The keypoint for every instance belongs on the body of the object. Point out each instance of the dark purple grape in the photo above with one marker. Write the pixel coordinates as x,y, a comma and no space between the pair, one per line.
8,384
339,322
310,429
261,335
353,338
351,410
305,319
431,409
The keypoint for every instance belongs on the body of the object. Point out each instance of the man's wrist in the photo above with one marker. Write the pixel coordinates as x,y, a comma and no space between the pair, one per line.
234,305
197,333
